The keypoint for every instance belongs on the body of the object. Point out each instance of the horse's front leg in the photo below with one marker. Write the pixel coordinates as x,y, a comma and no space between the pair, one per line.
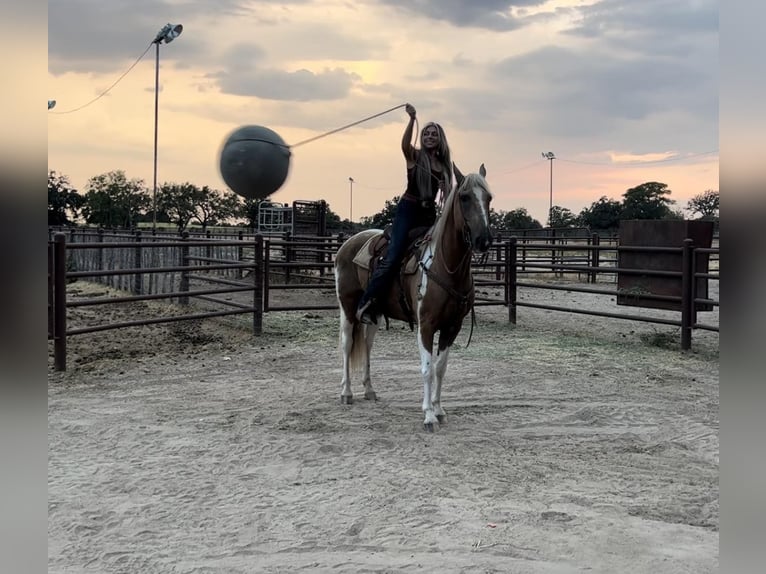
426,344
440,368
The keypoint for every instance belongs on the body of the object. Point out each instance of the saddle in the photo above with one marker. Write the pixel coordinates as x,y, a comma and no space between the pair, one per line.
374,250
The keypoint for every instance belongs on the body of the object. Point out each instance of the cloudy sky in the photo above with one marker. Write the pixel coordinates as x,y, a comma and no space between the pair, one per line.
621,91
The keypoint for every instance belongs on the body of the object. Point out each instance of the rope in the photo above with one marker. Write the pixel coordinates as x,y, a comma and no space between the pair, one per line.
105,92
314,138
340,129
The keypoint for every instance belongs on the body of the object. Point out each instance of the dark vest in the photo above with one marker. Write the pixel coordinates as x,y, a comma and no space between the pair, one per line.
412,190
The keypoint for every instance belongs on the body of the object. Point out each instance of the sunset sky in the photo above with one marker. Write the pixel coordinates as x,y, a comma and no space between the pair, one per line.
623,92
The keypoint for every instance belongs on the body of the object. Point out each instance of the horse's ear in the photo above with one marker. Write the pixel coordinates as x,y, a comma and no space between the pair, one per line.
459,177
482,171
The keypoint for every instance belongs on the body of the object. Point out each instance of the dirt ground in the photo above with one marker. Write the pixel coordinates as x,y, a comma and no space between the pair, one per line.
573,444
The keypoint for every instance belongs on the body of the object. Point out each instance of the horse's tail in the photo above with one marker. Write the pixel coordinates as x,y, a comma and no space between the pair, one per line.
357,356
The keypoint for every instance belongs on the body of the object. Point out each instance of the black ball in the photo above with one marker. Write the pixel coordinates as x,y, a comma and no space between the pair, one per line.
254,161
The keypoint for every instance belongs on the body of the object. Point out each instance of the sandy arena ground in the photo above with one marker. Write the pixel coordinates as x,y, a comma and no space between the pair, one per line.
573,444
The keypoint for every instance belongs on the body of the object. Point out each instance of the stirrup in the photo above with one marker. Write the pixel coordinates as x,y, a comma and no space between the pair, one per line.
365,315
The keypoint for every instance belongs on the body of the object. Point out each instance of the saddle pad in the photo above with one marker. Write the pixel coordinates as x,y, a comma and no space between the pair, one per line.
362,257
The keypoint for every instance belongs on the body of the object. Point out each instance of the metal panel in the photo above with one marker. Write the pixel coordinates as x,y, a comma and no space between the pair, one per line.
632,288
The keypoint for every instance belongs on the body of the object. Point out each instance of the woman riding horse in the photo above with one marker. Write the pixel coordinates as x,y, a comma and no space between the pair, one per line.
429,170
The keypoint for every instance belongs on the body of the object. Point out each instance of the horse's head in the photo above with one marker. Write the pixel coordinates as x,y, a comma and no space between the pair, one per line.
473,197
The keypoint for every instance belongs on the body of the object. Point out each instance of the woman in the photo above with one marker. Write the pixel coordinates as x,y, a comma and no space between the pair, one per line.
429,170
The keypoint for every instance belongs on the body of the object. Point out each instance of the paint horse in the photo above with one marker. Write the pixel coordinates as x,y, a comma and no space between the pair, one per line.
434,290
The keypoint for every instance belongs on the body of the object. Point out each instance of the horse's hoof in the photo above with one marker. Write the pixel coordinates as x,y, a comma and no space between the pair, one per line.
370,396
346,400
441,418
429,427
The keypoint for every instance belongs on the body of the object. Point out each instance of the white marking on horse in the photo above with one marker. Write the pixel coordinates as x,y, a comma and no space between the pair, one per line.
426,260
426,369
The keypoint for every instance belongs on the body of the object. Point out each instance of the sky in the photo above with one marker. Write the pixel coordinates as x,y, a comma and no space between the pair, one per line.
622,92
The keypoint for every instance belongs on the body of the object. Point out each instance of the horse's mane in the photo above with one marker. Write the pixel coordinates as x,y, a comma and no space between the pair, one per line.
470,179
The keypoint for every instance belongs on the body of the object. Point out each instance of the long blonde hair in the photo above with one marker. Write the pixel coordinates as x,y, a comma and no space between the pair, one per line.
423,164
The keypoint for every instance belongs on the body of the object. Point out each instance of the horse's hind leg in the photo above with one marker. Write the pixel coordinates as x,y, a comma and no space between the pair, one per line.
346,345
369,392
440,368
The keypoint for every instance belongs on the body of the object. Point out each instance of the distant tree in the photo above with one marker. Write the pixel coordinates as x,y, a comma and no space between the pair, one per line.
649,200
383,217
562,217
517,219
602,215
334,223
213,207
229,207
705,204
495,219
178,202
64,202
114,201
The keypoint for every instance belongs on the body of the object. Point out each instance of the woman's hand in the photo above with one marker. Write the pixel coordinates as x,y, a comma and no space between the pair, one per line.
410,109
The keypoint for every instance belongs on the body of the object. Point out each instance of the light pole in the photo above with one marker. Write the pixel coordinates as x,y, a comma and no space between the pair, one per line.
351,199
550,157
167,34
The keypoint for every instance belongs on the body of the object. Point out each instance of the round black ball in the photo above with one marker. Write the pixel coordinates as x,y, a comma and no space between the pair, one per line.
254,161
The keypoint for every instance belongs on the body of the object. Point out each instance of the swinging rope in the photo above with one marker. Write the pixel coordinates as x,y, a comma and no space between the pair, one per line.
314,138
351,125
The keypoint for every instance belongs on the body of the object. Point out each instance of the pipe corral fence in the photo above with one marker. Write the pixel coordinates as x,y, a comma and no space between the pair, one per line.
193,273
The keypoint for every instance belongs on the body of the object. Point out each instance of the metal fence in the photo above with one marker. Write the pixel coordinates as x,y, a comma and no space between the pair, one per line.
180,270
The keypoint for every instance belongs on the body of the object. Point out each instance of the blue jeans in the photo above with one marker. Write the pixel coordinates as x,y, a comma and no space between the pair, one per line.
409,215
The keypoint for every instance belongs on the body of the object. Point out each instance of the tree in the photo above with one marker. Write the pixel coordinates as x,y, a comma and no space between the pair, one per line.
114,201
705,204
64,202
229,206
649,200
517,219
213,207
178,202
384,217
603,215
562,217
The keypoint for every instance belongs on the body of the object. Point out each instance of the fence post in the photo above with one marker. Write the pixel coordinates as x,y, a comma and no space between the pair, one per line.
59,302
510,278
266,273
138,262
51,268
687,293
288,252
524,252
100,239
322,254
498,254
184,262
208,248
258,285
240,254
552,239
594,256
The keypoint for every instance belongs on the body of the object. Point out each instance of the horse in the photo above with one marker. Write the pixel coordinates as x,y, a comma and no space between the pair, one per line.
434,290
